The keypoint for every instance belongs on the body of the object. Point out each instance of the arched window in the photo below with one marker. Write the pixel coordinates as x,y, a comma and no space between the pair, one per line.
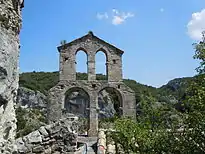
81,65
101,65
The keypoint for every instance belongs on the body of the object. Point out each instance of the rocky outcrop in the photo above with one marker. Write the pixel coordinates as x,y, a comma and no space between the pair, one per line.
31,111
60,137
10,24
106,105
78,103
30,99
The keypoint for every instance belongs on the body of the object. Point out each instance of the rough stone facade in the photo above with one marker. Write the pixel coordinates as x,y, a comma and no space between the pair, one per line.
10,25
67,79
59,137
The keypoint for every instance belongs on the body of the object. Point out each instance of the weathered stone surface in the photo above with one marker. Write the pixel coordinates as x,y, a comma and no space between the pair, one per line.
31,99
92,87
21,145
34,137
43,132
101,144
78,103
106,105
101,134
63,141
10,24
111,149
38,149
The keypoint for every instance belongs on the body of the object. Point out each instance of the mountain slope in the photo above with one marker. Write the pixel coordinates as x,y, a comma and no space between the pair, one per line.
174,89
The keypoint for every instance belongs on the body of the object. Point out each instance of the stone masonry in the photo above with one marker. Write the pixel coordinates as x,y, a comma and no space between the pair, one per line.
10,25
59,137
67,79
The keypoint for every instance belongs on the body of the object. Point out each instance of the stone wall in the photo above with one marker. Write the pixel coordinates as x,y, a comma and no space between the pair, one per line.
10,25
90,44
58,93
59,137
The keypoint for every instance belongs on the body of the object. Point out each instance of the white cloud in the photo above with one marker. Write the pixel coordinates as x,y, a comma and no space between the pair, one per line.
120,18
115,11
117,20
196,25
102,16
116,16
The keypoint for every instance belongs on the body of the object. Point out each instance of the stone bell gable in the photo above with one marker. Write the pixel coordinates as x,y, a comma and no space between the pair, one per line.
90,44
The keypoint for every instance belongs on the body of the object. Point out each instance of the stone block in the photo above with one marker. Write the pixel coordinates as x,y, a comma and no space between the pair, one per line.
34,137
38,149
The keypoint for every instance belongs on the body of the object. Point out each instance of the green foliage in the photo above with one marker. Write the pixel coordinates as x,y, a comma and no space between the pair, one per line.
21,122
200,54
141,138
176,88
131,135
107,122
82,125
149,133
141,90
195,118
43,81
39,81
156,132
28,120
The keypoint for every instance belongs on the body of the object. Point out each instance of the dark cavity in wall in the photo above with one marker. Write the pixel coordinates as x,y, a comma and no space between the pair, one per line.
3,73
3,101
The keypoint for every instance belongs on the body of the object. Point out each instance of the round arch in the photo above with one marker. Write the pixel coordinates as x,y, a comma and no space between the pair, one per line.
81,64
99,55
117,99
104,51
77,101
81,49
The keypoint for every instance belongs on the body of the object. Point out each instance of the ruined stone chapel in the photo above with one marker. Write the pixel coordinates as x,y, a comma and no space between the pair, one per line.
90,44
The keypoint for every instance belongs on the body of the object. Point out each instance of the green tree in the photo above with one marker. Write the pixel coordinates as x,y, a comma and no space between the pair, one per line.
200,54
155,132
195,115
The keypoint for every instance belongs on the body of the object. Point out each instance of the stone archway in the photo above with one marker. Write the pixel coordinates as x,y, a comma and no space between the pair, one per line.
77,102
110,103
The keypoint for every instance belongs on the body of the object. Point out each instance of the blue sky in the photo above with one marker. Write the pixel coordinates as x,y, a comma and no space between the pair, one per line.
156,36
